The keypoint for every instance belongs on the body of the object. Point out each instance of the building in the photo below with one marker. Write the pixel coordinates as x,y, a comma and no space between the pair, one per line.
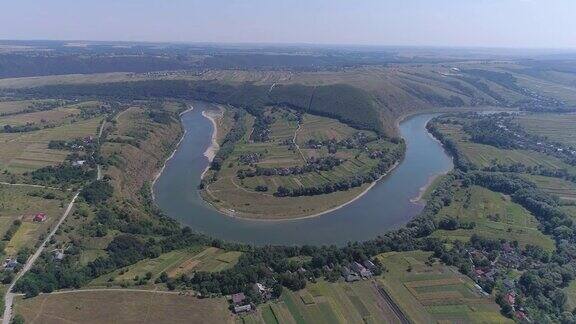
238,298
242,308
262,290
10,264
352,277
360,269
40,217
78,163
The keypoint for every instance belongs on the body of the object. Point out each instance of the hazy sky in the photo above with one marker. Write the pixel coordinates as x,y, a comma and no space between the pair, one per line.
493,23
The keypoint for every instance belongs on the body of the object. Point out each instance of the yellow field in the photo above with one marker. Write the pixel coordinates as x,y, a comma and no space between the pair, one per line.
122,307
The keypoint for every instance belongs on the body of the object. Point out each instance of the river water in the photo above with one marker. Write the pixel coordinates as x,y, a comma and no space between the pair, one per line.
388,205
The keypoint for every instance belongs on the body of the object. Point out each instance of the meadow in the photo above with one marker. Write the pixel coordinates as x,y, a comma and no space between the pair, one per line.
174,264
495,216
435,293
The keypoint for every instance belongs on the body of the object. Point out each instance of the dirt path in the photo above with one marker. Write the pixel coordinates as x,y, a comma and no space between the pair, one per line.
9,298
296,143
30,185
399,315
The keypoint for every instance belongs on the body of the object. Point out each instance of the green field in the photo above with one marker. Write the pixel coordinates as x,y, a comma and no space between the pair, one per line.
495,216
565,190
325,302
435,293
28,151
122,307
22,203
229,193
174,263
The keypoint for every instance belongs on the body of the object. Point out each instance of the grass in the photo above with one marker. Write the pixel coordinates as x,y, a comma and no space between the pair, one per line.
122,307
495,216
231,193
415,287
174,263
570,292
18,203
23,152
556,127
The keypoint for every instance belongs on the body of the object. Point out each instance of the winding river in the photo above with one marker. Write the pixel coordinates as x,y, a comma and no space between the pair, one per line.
388,205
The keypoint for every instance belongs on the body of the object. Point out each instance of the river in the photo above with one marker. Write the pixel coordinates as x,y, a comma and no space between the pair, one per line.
388,205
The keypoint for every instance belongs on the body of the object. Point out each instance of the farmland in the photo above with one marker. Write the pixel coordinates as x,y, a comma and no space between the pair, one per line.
483,155
174,264
29,151
565,190
494,216
325,302
117,306
555,127
433,292
289,147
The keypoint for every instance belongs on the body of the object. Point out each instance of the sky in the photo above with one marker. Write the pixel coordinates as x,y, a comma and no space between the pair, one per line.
455,23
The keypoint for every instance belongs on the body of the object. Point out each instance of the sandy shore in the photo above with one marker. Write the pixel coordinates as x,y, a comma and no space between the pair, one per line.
210,152
159,173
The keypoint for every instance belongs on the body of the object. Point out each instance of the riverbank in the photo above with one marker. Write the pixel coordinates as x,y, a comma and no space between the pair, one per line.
213,148
159,173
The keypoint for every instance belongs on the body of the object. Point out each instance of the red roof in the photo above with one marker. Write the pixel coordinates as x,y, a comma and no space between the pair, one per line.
510,298
238,298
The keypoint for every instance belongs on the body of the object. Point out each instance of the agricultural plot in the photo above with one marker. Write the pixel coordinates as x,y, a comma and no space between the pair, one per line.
495,217
325,302
435,293
28,151
19,106
565,190
23,203
241,196
485,155
556,127
122,307
174,263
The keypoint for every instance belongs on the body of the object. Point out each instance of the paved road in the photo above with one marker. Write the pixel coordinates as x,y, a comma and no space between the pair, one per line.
9,298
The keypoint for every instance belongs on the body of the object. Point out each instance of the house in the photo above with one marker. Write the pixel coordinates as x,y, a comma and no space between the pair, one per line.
369,264
510,299
58,254
40,217
352,277
10,264
265,292
78,163
521,315
238,298
360,269
242,308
